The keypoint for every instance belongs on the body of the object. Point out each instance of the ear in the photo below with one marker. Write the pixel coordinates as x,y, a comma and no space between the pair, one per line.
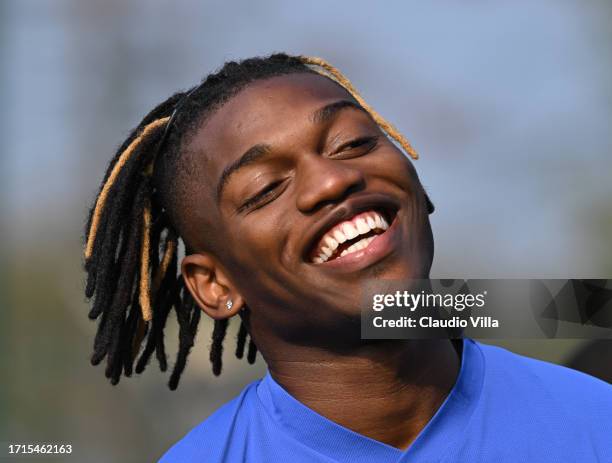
210,286
429,204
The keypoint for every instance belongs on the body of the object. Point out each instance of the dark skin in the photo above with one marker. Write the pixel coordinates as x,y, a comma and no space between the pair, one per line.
313,158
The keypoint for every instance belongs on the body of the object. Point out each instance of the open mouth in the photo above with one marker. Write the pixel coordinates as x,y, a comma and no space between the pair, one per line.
351,235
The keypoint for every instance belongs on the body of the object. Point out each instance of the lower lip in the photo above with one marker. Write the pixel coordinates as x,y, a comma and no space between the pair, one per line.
379,248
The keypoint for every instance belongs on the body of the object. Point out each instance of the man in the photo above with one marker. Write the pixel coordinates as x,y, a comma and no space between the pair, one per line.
289,196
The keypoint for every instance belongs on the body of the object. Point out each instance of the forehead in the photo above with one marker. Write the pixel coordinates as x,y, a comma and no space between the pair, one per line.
266,111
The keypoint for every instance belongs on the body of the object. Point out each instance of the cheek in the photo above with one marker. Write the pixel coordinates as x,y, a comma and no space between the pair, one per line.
393,166
256,246
404,175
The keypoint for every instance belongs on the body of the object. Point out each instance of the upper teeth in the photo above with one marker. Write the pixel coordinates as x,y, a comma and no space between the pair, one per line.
360,224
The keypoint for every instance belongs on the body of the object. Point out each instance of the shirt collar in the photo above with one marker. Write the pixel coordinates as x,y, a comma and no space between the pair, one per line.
339,443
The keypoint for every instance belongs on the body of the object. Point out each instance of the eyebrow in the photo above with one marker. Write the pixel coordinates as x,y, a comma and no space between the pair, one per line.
328,112
260,150
251,155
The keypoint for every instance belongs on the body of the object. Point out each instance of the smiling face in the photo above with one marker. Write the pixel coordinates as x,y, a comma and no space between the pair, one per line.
307,199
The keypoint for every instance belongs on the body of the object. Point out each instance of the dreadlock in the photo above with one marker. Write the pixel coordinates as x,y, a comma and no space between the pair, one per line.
133,230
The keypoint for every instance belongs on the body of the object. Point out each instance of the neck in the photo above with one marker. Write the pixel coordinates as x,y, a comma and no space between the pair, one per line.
387,391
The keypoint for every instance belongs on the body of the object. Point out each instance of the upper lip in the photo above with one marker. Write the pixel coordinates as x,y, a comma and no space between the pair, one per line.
347,209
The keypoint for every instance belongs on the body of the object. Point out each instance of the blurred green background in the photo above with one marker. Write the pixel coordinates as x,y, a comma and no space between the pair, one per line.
509,104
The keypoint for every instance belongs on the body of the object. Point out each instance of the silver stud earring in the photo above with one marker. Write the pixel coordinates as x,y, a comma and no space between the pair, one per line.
229,304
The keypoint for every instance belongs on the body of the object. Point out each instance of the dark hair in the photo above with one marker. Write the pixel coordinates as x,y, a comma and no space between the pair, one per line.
134,226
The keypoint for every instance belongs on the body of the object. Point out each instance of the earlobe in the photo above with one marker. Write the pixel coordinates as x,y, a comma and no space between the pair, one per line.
430,207
210,286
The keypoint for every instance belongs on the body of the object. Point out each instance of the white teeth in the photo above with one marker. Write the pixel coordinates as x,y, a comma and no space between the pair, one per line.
328,252
349,230
331,243
339,236
361,244
362,226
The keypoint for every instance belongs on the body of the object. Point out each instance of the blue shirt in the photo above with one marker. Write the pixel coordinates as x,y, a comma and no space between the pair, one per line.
503,408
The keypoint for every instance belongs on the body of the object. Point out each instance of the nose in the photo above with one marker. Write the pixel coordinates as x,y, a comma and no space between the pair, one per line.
323,181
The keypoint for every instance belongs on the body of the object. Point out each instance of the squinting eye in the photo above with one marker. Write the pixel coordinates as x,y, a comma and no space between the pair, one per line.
363,145
260,198
360,142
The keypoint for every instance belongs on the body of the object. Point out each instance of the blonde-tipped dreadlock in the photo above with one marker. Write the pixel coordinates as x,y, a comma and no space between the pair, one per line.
132,277
330,70
102,197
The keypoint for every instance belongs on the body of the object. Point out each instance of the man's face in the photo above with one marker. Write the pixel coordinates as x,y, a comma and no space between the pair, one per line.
292,170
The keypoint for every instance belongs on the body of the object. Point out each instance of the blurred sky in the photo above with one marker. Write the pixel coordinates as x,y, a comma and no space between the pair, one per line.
508,103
